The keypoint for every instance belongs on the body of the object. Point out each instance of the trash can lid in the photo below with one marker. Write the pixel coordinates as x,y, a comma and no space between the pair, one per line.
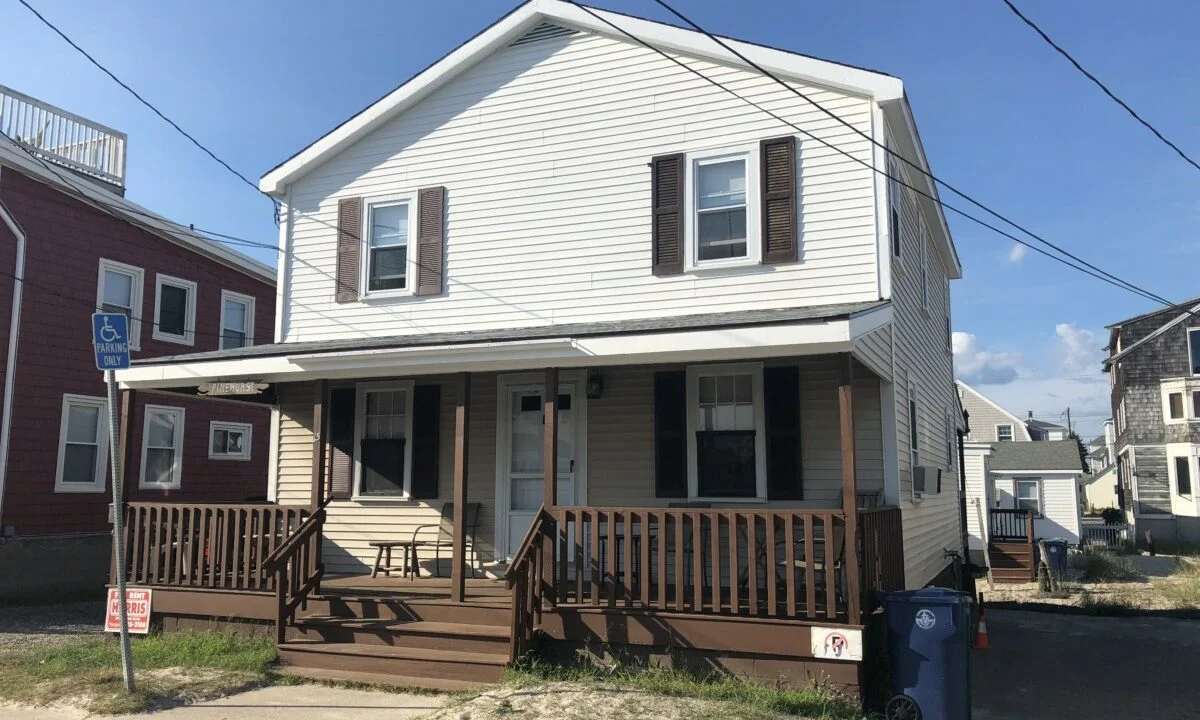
928,596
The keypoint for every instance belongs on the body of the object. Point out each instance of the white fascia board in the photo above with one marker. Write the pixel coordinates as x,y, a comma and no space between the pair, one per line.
1065,474
865,83
565,352
901,113
869,321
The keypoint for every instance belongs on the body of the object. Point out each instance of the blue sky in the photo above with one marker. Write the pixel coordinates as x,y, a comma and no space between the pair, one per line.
1000,114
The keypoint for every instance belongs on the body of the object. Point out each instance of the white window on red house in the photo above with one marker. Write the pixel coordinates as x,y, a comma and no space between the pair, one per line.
82,445
162,448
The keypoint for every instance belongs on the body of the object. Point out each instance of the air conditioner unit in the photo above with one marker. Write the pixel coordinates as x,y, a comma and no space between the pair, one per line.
927,480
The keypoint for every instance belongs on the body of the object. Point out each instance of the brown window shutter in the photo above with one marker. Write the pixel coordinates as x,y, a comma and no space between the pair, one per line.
427,406
670,435
666,193
341,440
431,240
781,399
779,223
349,229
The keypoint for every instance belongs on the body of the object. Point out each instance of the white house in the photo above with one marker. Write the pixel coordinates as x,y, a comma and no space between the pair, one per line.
560,242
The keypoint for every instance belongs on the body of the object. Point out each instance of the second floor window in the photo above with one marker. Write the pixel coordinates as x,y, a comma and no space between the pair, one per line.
1004,433
175,310
721,209
387,246
237,320
120,291
1194,350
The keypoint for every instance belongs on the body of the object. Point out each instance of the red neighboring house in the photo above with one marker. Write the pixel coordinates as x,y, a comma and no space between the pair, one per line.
81,246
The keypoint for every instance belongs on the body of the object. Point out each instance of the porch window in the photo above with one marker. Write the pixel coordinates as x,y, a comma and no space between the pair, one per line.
229,440
237,320
388,231
1029,495
384,453
162,448
1004,433
1183,476
727,451
82,445
119,290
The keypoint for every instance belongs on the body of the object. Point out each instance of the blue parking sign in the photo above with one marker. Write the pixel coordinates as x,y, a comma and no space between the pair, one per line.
110,337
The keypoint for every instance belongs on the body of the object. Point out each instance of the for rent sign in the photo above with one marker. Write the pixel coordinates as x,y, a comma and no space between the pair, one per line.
137,604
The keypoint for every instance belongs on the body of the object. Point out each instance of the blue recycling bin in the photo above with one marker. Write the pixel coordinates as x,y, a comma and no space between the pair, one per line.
1056,557
929,639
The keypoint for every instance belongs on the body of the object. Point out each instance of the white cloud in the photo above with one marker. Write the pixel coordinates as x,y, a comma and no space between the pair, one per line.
1017,253
1079,350
975,364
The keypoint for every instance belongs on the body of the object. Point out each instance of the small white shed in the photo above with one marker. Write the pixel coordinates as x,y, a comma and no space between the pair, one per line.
1043,477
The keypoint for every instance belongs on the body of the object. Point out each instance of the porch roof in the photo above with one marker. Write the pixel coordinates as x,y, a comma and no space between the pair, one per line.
762,333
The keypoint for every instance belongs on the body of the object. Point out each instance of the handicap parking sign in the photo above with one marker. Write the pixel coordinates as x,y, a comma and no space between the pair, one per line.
110,337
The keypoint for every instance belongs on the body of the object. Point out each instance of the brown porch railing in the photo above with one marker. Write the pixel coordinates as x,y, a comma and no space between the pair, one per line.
1015,525
297,569
213,546
882,552
524,579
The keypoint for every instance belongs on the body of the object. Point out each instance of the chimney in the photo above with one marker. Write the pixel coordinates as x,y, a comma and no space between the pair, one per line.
88,149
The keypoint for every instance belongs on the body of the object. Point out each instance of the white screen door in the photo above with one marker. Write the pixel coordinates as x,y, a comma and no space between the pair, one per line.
524,467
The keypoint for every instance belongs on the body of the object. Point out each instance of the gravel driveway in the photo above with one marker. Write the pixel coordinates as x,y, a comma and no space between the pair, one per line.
27,625
1054,666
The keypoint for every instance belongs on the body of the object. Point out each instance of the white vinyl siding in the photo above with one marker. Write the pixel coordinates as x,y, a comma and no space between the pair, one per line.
986,415
551,140
1059,503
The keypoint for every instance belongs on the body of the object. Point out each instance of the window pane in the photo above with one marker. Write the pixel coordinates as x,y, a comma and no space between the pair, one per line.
79,464
526,434
725,464
233,440
721,184
1027,490
744,393
233,339
389,225
526,493
172,310
83,422
1175,400
1196,404
161,433
160,463
721,234
708,390
743,417
725,388
1183,475
220,441
235,315
1194,350
118,289
388,268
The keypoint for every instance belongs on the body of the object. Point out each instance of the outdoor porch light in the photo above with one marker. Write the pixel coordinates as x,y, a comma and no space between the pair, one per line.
595,384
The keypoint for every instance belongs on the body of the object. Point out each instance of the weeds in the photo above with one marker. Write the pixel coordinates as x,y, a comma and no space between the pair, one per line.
1182,588
1098,565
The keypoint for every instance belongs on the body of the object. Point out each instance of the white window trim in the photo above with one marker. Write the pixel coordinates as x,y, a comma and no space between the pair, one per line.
755,370
99,484
139,281
1012,431
410,271
1041,498
1173,475
1184,387
249,302
360,414
247,428
1191,360
180,435
189,322
750,154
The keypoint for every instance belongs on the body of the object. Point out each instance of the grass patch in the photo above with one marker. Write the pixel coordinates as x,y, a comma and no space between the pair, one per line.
1098,565
168,669
1107,605
743,698
1182,588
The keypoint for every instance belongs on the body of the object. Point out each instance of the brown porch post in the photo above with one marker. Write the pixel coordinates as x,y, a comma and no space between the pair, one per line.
849,498
321,391
550,470
459,567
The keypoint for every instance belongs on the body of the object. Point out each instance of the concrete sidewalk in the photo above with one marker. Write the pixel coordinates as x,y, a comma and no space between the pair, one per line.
280,702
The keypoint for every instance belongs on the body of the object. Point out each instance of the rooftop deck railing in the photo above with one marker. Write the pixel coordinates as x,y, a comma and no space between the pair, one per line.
62,137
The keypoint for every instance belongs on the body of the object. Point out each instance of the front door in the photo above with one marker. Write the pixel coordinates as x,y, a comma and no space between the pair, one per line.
521,488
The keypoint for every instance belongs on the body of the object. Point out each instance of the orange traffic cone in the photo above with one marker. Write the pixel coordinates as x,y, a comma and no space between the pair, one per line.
981,634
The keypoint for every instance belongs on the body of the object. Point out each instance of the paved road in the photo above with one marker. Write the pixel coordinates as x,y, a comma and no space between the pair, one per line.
283,702
1045,666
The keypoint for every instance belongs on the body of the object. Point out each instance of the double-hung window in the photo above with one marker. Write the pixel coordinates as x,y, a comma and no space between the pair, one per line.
174,310
1183,475
389,226
228,440
1028,495
722,212
82,445
119,290
162,448
384,427
1004,433
726,444
1194,350
237,320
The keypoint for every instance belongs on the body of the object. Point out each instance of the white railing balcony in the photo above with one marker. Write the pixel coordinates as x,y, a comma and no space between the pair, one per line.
58,136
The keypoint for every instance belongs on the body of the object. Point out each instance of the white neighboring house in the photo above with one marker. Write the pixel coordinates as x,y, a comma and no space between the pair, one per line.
988,421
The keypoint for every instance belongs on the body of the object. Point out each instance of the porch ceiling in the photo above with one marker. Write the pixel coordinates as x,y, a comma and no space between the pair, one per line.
693,338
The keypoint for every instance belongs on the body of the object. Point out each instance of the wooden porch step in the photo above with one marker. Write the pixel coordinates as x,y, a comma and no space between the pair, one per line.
388,680
462,637
410,663
395,609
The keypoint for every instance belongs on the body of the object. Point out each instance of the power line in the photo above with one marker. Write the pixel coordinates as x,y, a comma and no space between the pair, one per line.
1111,279
145,102
1113,96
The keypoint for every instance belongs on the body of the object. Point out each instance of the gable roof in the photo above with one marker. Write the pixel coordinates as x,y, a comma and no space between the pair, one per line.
86,191
1043,425
1152,313
1036,456
1016,421
1190,312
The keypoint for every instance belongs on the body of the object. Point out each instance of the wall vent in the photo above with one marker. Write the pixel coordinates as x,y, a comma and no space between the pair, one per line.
545,31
